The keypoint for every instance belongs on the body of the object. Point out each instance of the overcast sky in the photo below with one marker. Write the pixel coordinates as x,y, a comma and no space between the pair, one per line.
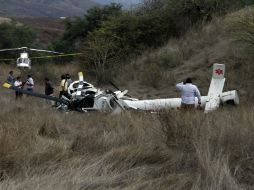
124,2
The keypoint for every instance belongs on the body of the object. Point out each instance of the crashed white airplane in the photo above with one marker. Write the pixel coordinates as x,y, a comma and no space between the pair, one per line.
84,97
210,102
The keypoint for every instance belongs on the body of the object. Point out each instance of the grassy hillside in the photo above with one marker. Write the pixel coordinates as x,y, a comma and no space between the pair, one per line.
47,29
41,148
156,72
44,149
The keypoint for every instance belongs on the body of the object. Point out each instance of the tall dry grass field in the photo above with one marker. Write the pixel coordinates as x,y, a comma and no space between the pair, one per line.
44,149
41,148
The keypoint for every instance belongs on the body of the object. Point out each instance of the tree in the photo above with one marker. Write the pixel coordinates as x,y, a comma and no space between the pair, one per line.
77,29
101,54
13,35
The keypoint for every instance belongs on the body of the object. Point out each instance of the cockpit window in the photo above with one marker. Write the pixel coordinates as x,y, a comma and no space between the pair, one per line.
23,60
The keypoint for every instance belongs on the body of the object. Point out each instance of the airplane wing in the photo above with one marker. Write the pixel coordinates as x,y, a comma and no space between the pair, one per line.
216,88
9,86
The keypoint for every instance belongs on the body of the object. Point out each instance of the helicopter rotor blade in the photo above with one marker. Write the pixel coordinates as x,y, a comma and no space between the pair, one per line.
41,50
12,49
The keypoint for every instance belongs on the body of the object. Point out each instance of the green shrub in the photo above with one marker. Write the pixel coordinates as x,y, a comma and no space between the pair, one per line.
13,35
78,28
245,30
152,75
168,59
101,55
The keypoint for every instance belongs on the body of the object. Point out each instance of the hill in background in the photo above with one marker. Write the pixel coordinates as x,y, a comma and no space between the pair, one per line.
44,149
45,8
123,2
47,29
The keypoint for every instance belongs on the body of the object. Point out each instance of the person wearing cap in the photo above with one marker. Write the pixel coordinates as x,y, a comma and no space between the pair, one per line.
188,94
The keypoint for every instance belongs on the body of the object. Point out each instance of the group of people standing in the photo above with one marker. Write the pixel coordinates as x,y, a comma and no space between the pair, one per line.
63,88
187,89
29,84
18,83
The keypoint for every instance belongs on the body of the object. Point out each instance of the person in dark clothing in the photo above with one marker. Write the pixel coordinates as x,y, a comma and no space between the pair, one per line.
11,78
68,79
18,84
49,90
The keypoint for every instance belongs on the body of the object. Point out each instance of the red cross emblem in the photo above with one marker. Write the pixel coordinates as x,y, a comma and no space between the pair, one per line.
219,72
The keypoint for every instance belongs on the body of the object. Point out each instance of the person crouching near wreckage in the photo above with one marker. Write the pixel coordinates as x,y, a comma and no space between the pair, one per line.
188,94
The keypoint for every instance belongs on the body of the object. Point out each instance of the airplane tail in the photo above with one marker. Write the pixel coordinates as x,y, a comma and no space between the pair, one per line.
216,88
218,71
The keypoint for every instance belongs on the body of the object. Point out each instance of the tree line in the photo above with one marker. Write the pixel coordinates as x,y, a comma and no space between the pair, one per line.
110,35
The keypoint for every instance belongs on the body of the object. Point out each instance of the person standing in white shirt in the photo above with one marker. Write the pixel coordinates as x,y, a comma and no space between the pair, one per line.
30,83
18,84
188,94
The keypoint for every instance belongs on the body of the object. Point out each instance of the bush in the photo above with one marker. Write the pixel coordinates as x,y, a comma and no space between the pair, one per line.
169,59
152,75
13,35
77,29
245,30
129,33
100,55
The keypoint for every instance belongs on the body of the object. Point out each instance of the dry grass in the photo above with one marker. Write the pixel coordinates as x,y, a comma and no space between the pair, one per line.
41,148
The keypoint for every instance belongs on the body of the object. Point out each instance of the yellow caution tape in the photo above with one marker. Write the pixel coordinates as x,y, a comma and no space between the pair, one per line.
6,85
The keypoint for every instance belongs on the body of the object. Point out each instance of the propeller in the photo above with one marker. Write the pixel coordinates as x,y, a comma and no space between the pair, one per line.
80,85
31,49
12,49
